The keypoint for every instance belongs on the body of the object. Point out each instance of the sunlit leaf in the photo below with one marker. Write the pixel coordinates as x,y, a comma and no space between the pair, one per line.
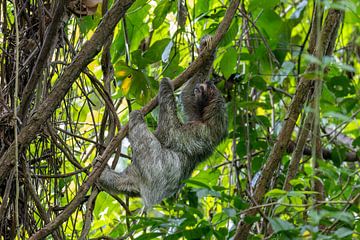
228,62
276,193
161,11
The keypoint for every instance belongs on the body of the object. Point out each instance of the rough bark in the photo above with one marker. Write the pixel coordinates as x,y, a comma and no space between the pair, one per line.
298,150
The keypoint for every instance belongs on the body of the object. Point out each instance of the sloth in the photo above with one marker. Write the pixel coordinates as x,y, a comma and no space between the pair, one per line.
164,159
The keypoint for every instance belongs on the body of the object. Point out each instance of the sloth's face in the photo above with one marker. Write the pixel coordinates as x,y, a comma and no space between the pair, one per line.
203,92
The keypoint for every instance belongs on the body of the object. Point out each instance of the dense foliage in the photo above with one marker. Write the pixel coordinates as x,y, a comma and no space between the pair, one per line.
259,63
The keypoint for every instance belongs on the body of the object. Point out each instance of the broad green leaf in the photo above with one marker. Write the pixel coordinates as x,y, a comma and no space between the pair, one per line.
230,212
222,232
154,53
263,121
209,177
201,7
166,53
356,142
253,105
133,83
270,24
276,193
258,82
150,236
230,34
118,230
279,225
263,4
297,202
341,86
88,23
312,59
118,45
283,72
240,203
220,217
343,232
195,184
161,11
228,62
281,207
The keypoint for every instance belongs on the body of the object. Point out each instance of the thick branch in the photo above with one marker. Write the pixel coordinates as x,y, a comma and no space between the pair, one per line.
298,150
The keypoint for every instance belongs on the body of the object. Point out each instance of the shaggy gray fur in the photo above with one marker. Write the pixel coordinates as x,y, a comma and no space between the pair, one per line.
163,159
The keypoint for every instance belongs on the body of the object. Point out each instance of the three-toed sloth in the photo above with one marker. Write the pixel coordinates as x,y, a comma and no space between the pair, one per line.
163,159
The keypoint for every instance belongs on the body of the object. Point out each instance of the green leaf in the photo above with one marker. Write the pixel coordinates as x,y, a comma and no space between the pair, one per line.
118,230
312,59
315,217
201,7
230,212
173,69
137,5
258,82
263,121
196,184
222,232
250,105
118,45
279,225
343,232
345,217
88,23
166,53
276,193
283,72
149,236
283,201
154,53
263,4
239,203
228,62
297,201
270,25
230,34
341,86
209,177
356,142
161,11
133,83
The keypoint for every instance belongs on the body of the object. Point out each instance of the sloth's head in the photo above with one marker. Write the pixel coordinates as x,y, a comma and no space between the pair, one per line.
204,92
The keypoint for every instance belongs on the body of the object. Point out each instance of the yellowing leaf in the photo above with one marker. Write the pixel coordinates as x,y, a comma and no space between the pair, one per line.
126,84
121,73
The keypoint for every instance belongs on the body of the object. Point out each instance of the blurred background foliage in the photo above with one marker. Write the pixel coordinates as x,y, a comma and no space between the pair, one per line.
257,67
